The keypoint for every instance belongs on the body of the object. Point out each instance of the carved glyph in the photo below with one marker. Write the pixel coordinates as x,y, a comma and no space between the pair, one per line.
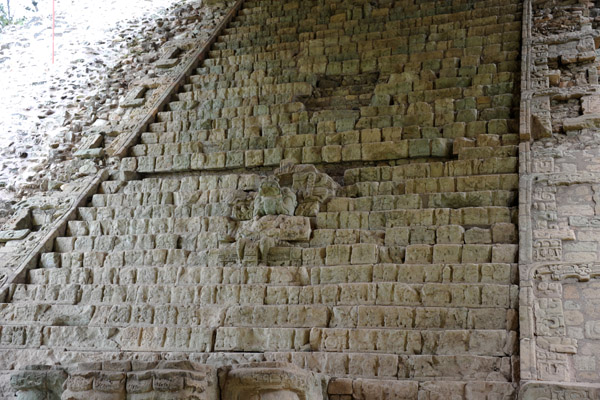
271,381
547,391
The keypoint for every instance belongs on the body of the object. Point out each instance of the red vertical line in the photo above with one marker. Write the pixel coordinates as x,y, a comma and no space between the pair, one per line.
53,16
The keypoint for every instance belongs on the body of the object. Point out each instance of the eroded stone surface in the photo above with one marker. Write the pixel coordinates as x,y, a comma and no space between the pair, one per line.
559,182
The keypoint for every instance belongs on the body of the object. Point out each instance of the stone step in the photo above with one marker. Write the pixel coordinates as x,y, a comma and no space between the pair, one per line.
241,121
246,24
288,35
247,54
240,79
244,182
197,339
224,160
151,212
208,107
440,234
470,186
485,152
346,294
290,109
498,230
290,88
366,253
211,243
384,375
407,211
475,183
125,268
200,241
399,173
292,316
185,197
467,216
389,341
227,339
369,138
156,226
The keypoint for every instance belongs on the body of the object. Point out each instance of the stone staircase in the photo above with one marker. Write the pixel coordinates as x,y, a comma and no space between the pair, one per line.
404,271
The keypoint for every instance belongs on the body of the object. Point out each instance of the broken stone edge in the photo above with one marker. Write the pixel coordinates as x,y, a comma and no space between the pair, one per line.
538,390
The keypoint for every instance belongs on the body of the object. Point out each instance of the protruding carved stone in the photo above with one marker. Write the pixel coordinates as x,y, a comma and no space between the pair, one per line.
38,382
270,381
559,272
272,199
312,186
121,379
7,236
547,391
264,233
21,220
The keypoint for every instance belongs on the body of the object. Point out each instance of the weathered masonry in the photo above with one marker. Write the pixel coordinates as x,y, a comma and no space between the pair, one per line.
343,200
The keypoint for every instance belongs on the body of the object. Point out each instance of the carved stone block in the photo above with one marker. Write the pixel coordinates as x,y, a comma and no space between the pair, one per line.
271,381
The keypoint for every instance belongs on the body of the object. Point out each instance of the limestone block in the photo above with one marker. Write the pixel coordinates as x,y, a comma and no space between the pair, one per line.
271,381
478,236
476,253
419,148
364,254
364,389
340,386
447,253
272,156
505,253
331,153
338,254
384,151
354,294
64,244
50,260
260,339
504,233
145,164
450,234
418,254
396,294
397,236
351,152
253,158
38,382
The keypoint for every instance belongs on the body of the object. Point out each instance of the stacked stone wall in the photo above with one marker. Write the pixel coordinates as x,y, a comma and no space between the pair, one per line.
335,188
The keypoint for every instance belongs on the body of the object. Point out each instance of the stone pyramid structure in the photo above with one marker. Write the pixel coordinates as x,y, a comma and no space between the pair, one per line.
326,208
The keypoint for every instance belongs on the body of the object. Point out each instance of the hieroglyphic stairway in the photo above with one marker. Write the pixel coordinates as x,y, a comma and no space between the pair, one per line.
335,187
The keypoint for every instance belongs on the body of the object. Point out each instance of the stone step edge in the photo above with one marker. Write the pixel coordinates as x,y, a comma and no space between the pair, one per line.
120,146
318,362
45,243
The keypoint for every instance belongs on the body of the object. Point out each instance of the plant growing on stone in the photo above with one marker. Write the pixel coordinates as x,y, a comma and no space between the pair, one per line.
8,18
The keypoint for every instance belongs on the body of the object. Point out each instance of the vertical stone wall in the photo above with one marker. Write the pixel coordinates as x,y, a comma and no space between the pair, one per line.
559,201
